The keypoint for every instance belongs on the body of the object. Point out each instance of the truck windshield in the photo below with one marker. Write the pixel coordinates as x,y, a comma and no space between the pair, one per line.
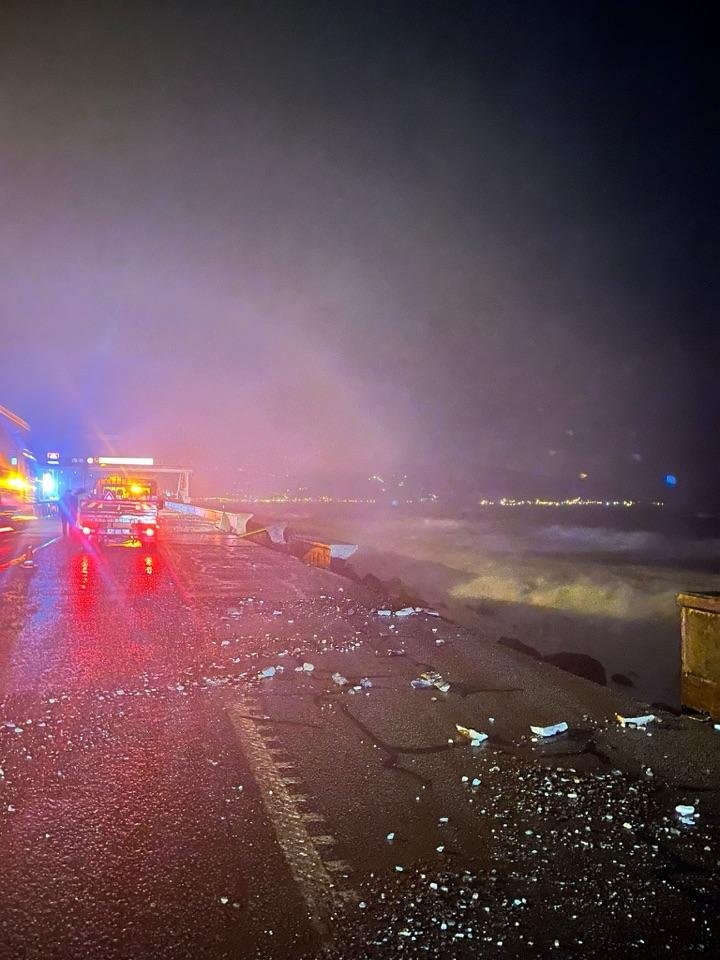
113,507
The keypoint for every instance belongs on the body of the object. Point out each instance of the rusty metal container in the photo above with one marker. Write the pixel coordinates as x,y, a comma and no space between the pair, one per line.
700,651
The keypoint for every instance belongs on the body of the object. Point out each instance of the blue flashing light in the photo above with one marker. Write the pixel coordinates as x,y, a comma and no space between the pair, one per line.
671,479
49,485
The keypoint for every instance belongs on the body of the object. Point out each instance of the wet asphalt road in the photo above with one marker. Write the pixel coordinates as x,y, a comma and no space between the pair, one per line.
159,799
17,535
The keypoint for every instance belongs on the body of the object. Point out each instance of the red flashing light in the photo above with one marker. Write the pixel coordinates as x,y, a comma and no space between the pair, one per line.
150,532
87,531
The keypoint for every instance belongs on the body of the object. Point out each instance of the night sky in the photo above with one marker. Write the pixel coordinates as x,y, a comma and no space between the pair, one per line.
383,234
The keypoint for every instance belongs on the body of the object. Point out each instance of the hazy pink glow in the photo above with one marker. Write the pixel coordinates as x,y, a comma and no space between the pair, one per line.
341,243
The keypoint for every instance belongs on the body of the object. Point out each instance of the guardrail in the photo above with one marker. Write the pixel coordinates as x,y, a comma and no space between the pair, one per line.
308,547
226,522
318,553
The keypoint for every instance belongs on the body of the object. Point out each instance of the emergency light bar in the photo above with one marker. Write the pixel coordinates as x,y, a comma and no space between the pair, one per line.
126,461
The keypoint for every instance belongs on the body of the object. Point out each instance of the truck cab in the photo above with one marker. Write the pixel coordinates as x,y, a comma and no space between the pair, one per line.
120,509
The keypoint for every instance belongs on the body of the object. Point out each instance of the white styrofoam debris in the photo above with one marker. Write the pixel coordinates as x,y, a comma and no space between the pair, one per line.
686,814
551,730
475,736
641,721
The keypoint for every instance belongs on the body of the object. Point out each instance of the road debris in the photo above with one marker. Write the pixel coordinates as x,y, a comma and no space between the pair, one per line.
407,612
436,680
686,814
584,815
550,731
474,736
641,721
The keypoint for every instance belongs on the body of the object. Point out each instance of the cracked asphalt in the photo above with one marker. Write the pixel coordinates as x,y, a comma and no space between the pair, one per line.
160,797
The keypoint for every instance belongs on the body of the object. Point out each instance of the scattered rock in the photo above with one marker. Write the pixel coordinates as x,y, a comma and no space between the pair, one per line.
515,644
579,664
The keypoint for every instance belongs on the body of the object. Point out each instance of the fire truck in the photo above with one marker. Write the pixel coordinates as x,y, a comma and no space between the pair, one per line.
16,482
121,509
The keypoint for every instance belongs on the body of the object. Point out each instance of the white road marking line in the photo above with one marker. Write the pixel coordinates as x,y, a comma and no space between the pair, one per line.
309,870
48,543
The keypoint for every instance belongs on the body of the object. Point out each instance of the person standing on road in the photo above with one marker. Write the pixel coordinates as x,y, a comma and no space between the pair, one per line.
68,506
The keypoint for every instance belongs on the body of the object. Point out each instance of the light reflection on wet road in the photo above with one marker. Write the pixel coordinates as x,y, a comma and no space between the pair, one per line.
128,824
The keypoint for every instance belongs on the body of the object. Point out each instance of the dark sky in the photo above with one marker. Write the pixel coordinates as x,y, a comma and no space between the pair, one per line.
362,234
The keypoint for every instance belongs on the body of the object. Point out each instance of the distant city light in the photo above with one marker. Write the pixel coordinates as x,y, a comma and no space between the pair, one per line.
671,479
52,455
567,502
126,461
